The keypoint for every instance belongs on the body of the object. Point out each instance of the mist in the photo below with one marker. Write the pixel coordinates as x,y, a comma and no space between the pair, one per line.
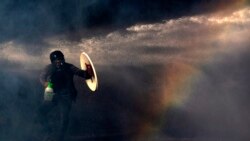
176,75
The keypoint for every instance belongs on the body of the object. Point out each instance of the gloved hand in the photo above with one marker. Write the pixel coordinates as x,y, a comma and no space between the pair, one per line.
89,70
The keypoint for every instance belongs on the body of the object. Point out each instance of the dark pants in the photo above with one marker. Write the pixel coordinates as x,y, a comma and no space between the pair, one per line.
54,117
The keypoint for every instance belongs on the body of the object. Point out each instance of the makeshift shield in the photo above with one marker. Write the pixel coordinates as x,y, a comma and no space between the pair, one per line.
86,62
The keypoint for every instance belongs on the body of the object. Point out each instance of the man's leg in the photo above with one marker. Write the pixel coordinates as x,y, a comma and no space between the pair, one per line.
65,107
43,119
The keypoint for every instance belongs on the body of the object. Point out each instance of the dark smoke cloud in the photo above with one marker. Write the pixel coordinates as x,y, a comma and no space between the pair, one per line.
30,21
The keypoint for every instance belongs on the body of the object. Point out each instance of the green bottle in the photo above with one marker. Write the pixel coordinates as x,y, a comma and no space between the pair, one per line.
49,92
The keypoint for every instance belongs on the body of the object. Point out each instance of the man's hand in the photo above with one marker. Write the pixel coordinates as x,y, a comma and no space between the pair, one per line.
89,70
46,84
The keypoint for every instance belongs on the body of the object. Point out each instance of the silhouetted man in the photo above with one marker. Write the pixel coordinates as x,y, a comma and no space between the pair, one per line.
60,74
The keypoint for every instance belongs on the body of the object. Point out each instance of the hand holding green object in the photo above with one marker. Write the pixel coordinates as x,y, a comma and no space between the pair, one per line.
49,92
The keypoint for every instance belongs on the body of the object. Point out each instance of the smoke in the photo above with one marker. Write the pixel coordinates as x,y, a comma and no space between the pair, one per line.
20,95
182,77
219,103
31,21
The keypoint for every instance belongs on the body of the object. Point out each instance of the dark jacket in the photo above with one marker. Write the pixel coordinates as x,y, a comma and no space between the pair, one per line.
62,78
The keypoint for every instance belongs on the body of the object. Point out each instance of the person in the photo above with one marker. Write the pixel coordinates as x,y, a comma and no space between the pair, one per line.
60,74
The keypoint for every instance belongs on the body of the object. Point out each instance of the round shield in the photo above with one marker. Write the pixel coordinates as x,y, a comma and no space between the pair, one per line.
85,62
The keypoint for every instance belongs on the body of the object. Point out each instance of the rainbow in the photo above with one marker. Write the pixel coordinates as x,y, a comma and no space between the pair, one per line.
178,81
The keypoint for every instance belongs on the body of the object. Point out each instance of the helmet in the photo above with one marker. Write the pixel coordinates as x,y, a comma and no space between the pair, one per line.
56,55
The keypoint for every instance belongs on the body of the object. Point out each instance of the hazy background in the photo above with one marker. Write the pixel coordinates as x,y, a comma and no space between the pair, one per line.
167,69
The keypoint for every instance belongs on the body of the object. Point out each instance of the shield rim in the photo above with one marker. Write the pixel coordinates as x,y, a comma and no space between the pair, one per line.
89,82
